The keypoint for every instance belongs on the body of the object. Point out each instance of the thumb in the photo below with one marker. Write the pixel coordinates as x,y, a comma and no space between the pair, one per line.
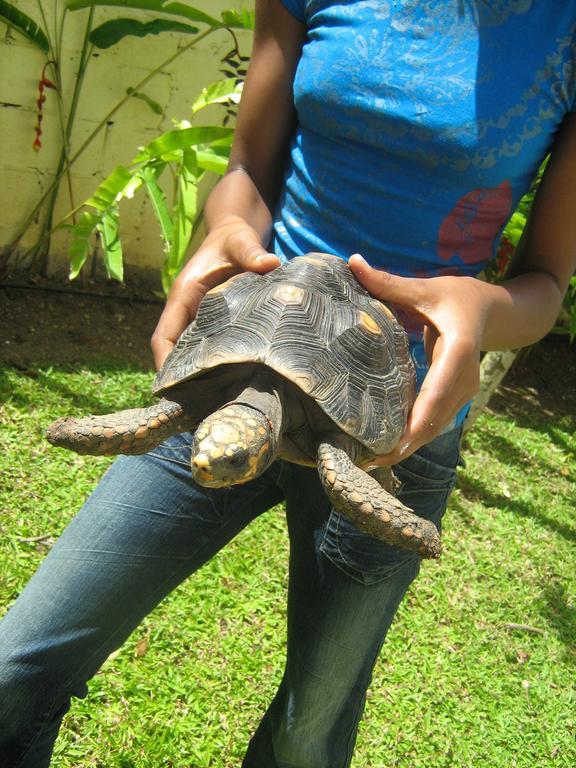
247,253
403,291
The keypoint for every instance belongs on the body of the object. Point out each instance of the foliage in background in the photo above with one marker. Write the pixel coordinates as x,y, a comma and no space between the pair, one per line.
186,154
48,37
496,270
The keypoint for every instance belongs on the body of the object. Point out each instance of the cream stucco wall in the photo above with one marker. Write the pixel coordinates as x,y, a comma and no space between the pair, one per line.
25,172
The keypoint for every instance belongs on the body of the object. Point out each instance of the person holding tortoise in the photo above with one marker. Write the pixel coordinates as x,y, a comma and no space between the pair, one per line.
397,135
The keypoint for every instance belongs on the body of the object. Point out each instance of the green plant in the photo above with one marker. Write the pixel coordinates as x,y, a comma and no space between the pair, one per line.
185,155
496,269
48,36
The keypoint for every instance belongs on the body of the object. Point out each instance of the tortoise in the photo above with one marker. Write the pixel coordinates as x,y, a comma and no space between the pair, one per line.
299,364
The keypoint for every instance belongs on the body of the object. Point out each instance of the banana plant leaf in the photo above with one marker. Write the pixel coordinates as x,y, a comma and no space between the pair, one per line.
185,214
113,187
214,158
158,6
183,139
220,92
238,19
111,32
108,228
79,248
24,24
150,175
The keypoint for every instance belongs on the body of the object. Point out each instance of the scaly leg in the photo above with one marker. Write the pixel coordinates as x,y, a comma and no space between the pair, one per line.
370,507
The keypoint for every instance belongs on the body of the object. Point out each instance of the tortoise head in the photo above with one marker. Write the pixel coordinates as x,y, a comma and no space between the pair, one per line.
233,445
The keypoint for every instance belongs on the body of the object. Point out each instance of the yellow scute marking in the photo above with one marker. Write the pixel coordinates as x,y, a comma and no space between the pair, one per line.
290,294
369,324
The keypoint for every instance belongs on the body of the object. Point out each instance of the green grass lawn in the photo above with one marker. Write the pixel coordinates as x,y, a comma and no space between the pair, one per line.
457,684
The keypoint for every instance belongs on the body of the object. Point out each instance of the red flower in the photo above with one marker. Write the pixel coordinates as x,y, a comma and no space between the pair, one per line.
43,83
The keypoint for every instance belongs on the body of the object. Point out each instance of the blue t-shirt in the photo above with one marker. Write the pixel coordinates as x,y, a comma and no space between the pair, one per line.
421,123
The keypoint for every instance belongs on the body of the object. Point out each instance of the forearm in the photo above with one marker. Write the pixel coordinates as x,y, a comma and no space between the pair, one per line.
520,311
236,199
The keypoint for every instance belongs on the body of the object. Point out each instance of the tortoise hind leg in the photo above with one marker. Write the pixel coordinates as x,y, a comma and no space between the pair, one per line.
134,431
371,507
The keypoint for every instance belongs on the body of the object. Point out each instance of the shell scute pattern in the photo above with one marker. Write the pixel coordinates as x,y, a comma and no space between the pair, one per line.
312,322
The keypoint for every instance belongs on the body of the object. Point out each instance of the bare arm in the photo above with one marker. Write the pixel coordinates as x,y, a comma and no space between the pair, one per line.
464,315
239,210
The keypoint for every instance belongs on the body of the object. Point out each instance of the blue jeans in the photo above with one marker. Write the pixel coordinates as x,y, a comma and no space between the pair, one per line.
145,529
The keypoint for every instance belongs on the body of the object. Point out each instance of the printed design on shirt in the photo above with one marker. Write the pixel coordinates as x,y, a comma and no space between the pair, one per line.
419,70
468,232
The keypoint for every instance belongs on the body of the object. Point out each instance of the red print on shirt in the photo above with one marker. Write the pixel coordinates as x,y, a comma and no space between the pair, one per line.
469,230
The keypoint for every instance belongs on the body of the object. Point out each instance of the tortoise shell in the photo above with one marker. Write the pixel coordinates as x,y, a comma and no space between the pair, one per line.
313,323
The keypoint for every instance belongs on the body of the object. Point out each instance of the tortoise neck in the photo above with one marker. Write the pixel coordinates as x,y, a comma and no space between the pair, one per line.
265,394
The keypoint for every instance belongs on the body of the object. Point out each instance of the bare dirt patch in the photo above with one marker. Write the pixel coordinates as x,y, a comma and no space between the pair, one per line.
46,325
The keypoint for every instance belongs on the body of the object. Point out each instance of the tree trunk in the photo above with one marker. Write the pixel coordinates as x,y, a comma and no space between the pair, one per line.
493,368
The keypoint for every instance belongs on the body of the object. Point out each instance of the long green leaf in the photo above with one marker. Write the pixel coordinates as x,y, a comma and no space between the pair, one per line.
150,176
182,139
79,248
214,159
185,212
111,32
111,188
219,92
239,19
24,24
158,6
108,228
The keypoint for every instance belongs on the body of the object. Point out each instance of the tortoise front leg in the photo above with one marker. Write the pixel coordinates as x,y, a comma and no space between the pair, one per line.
372,508
134,431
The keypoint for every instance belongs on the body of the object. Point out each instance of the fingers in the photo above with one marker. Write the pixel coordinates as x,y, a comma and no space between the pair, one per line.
452,380
246,252
403,291
229,249
178,313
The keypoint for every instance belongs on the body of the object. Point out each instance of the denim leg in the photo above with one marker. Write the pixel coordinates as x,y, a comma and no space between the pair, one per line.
345,588
145,528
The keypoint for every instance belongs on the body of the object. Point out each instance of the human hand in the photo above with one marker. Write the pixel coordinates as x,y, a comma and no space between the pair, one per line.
231,247
453,311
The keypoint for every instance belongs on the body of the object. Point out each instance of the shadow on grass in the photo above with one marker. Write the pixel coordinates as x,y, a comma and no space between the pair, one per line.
474,490
83,401
560,614
508,453
539,390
